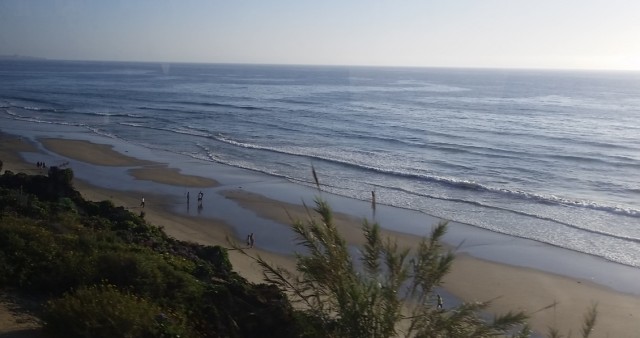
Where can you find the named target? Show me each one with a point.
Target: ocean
(552, 156)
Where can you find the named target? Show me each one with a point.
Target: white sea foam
(557, 164)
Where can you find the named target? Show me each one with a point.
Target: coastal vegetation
(391, 294)
(382, 290)
(98, 270)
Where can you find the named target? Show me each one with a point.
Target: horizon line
(19, 57)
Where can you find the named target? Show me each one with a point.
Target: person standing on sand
(200, 195)
(440, 302)
(251, 240)
(142, 202)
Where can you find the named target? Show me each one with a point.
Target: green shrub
(66, 204)
(28, 250)
(392, 291)
(60, 176)
(217, 256)
(147, 273)
(104, 311)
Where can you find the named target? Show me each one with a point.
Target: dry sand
(104, 155)
(10, 147)
(15, 320)
(85, 151)
(513, 288)
(510, 288)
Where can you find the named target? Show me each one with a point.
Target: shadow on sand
(24, 333)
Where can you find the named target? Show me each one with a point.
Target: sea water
(552, 156)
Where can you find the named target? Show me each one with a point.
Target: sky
(549, 34)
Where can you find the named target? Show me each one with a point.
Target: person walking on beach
(251, 240)
(440, 302)
(142, 202)
(200, 195)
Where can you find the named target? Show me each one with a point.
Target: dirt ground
(15, 320)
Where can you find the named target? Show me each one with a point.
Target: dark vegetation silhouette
(98, 270)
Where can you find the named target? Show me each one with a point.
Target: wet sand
(171, 176)
(85, 151)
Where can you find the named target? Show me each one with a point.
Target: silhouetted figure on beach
(187, 198)
(251, 240)
(440, 302)
(142, 202)
(248, 240)
(200, 195)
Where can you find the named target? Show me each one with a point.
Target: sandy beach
(472, 279)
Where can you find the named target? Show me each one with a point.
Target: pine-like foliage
(382, 290)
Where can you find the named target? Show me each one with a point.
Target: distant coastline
(20, 57)
(17, 57)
